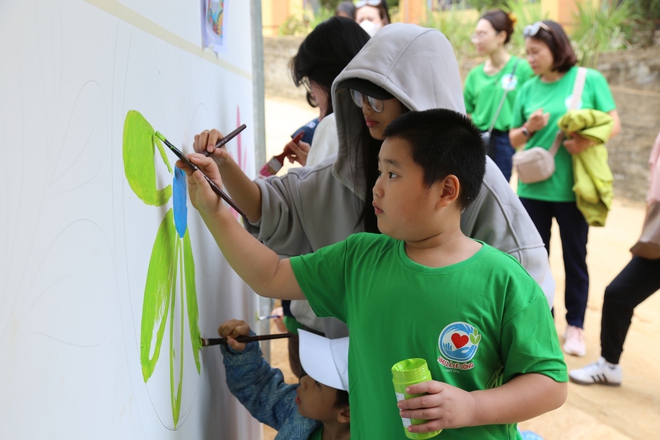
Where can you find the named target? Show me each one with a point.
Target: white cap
(325, 360)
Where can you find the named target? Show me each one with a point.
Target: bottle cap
(410, 370)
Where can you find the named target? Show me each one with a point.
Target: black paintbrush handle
(226, 139)
(216, 189)
(222, 194)
(244, 339)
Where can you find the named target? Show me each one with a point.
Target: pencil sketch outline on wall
(171, 263)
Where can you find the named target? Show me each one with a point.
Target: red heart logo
(459, 340)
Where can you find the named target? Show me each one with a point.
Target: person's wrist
(526, 131)
(224, 163)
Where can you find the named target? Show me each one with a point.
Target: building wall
(275, 12)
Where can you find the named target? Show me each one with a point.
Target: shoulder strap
(559, 138)
(578, 86)
(499, 107)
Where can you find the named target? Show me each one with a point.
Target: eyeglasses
(479, 36)
(377, 105)
(532, 29)
(361, 3)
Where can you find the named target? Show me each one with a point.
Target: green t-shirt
(483, 93)
(317, 434)
(398, 309)
(555, 98)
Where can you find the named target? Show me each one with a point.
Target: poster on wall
(214, 17)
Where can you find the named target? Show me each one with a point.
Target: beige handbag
(648, 245)
(537, 164)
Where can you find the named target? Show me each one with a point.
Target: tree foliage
(600, 28)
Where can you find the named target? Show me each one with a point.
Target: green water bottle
(405, 373)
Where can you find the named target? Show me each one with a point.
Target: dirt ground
(631, 411)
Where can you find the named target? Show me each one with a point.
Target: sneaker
(574, 341)
(601, 372)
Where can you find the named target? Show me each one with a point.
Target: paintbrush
(194, 167)
(226, 139)
(261, 318)
(277, 162)
(206, 342)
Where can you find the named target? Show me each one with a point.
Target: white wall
(76, 241)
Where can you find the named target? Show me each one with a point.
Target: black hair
(347, 8)
(342, 399)
(325, 52)
(501, 22)
(370, 149)
(444, 142)
(563, 55)
(367, 164)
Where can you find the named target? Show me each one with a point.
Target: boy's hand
(233, 329)
(201, 195)
(206, 141)
(444, 406)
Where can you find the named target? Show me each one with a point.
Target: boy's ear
(448, 190)
(344, 415)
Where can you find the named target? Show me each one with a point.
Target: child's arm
(522, 398)
(233, 329)
(243, 191)
(257, 265)
(259, 387)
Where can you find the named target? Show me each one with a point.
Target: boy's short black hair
(342, 399)
(444, 142)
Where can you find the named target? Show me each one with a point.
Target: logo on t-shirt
(458, 344)
(509, 82)
(567, 102)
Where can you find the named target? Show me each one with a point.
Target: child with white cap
(315, 408)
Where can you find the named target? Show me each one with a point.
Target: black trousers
(636, 282)
(574, 231)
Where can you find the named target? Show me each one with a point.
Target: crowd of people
(400, 236)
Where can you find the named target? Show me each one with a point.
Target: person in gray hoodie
(312, 207)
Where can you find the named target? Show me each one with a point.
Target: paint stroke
(139, 145)
(171, 264)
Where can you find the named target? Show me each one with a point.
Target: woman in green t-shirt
(539, 104)
(491, 87)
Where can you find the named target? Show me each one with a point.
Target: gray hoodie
(309, 208)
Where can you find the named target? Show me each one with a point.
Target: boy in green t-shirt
(421, 289)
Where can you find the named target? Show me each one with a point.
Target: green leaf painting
(139, 166)
(171, 266)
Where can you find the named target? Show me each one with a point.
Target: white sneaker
(574, 341)
(601, 372)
